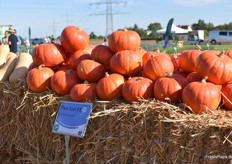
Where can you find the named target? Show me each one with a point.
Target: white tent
(175, 30)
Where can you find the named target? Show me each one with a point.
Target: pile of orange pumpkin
(122, 69)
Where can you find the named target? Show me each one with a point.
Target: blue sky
(48, 17)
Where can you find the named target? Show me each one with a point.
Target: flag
(168, 32)
(29, 31)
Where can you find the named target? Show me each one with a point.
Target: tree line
(150, 32)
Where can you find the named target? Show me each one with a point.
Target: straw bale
(147, 131)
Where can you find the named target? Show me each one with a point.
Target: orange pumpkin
(102, 54)
(39, 78)
(187, 60)
(124, 40)
(169, 88)
(110, 87)
(126, 62)
(90, 70)
(77, 57)
(83, 92)
(137, 87)
(227, 96)
(156, 65)
(217, 67)
(63, 81)
(48, 54)
(201, 96)
(74, 38)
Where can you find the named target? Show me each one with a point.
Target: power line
(109, 13)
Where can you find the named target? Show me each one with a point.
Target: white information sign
(72, 118)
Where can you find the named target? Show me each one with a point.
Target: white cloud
(197, 2)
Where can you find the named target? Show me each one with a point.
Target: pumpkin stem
(125, 29)
(204, 80)
(107, 74)
(69, 71)
(139, 79)
(169, 74)
(86, 82)
(41, 66)
(198, 47)
(157, 50)
(222, 53)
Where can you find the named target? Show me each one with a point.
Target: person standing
(27, 43)
(19, 41)
(13, 40)
(5, 38)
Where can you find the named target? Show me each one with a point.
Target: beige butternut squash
(21, 69)
(4, 51)
(7, 68)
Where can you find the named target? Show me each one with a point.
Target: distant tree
(201, 25)
(92, 35)
(154, 27)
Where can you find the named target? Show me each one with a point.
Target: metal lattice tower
(109, 14)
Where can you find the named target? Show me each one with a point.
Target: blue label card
(72, 118)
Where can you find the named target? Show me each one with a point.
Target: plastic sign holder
(72, 120)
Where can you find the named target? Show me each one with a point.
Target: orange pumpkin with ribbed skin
(110, 87)
(229, 53)
(39, 78)
(74, 38)
(169, 88)
(77, 57)
(90, 70)
(201, 96)
(156, 65)
(217, 67)
(124, 40)
(148, 54)
(83, 92)
(102, 54)
(63, 81)
(193, 76)
(187, 60)
(48, 54)
(227, 96)
(175, 60)
(126, 62)
(179, 71)
(137, 87)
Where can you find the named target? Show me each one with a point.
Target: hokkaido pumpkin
(193, 76)
(63, 81)
(4, 51)
(137, 87)
(216, 66)
(227, 96)
(74, 38)
(39, 78)
(169, 88)
(126, 62)
(110, 86)
(102, 54)
(229, 53)
(124, 40)
(77, 57)
(187, 60)
(89, 70)
(24, 60)
(83, 92)
(201, 96)
(7, 68)
(156, 65)
(48, 54)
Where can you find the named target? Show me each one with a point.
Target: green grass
(171, 48)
